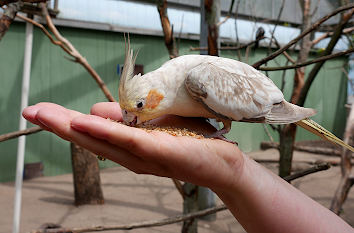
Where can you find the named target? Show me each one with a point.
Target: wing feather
(233, 89)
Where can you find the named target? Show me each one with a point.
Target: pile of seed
(170, 130)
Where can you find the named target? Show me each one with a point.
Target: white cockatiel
(211, 87)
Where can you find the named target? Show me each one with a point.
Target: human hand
(260, 200)
(207, 162)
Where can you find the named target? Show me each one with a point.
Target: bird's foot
(218, 135)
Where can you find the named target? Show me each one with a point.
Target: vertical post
(206, 198)
(22, 126)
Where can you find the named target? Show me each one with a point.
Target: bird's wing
(233, 90)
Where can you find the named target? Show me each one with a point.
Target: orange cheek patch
(153, 99)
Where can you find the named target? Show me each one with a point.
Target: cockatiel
(212, 87)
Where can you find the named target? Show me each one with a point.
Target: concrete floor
(133, 198)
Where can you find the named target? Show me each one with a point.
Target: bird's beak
(129, 118)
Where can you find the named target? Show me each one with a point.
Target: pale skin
(259, 200)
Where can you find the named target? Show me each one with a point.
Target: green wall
(55, 78)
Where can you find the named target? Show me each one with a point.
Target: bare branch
(316, 168)
(275, 26)
(179, 187)
(228, 14)
(70, 49)
(6, 2)
(8, 17)
(328, 34)
(167, 29)
(320, 59)
(229, 47)
(309, 149)
(153, 223)
(314, 71)
(346, 181)
(19, 133)
(307, 31)
(45, 31)
(286, 54)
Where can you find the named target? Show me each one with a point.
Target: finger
(58, 119)
(30, 113)
(132, 139)
(109, 110)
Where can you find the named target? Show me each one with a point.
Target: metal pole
(22, 125)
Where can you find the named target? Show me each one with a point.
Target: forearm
(263, 202)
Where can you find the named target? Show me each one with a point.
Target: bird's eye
(139, 104)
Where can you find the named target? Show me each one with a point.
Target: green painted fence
(54, 78)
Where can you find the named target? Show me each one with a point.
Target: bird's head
(140, 100)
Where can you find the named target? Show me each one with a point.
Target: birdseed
(174, 131)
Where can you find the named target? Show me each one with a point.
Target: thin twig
(345, 18)
(304, 33)
(45, 31)
(328, 34)
(320, 59)
(176, 219)
(285, 53)
(229, 47)
(19, 133)
(282, 86)
(316, 168)
(275, 26)
(145, 224)
(71, 50)
(228, 14)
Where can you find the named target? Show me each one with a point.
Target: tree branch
(167, 29)
(305, 172)
(275, 26)
(228, 14)
(229, 47)
(328, 34)
(70, 49)
(313, 73)
(6, 2)
(8, 16)
(320, 59)
(307, 31)
(16, 134)
(176, 219)
(145, 224)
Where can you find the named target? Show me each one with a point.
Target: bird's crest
(128, 71)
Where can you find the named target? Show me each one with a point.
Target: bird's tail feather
(318, 130)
